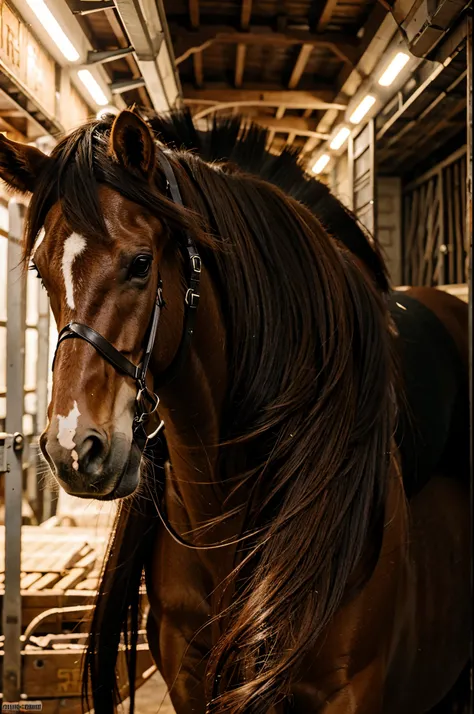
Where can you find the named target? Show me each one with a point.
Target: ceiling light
(54, 30)
(340, 138)
(321, 164)
(366, 104)
(92, 86)
(394, 69)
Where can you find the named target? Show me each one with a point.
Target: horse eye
(140, 266)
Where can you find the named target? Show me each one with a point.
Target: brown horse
(285, 568)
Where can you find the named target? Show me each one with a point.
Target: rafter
(188, 42)
(240, 64)
(290, 125)
(245, 14)
(300, 64)
(319, 98)
(194, 13)
(198, 70)
(298, 70)
(326, 14)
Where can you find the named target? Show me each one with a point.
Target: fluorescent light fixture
(52, 27)
(321, 163)
(92, 86)
(339, 139)
(394, 69)
(358, 114)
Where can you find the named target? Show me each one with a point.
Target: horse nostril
(92, 453)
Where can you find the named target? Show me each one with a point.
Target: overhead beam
(245, 14)
(239, 64)
(292, 99)
(188, 42)
(198, 69)
(326, 15)
(290, 125)
(194, 13)
(300, 65)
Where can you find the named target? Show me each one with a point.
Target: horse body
(285, 568)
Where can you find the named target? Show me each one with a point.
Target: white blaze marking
(73, 247)
(67, 426)
(38, 242)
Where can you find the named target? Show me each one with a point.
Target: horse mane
(238, 141)
(308, 417)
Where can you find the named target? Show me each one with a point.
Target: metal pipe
(16, 319)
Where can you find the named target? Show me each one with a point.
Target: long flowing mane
(238, 141)
(308, 416)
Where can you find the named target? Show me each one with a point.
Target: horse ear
(21, 165)
(131, 143)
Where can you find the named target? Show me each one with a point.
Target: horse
(286, 435)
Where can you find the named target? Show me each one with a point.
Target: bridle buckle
(196, 263)
(192, 298)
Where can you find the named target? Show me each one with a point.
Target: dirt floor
(150, 697)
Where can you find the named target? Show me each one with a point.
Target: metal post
(16, 317)
(469, 176)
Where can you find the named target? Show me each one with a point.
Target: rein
(147, 401)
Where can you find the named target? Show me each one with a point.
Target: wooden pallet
(60, 567)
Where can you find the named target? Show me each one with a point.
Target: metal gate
(435, 244)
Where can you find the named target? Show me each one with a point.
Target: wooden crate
(60, 570)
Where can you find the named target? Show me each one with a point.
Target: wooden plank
(326, 14)
(69, 581)
(46, 581)
(292, 125)
(28, 579)
(57, 673)
(300, 64)
(194, 13)
(240, 64)
(292, 99)
(198, 69)
(245, 14)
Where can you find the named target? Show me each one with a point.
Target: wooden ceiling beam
(239, 64)
(198, 69)
(319, 98)
(326, 14)
(245, 14)
(298, 70)
(194, 13)
(300, 65)
(188, 42)
(289, 125)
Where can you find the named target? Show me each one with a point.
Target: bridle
(147, 401)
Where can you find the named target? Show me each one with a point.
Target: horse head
(100, 256)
